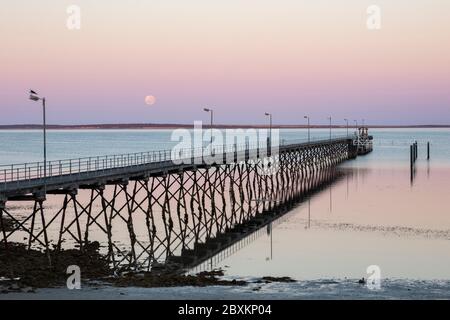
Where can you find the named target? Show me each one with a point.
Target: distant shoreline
(143, 126)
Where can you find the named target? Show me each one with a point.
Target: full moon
(150, 100)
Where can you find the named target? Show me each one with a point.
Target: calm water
(26, 146)
(373, 216)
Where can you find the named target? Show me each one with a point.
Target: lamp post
(211, 111)
(270, 126)
(34, 96)
(309, 135)
(346, 120)
(329, 118)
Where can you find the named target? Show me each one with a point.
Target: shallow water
(322, 289)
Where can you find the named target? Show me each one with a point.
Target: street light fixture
(270, 125)
(211, 111)
(309, 135)
(35, 97)
(346, 120)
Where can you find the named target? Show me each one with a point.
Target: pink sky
(242, 58)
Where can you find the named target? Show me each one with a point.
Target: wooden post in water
(428, 150)
(416, 151)
(411, 159)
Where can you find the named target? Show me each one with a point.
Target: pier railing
(35, 170)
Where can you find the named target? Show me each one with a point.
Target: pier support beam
(2, 223)
(352, 150)
(2, 202)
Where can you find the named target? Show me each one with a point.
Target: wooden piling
(428, 150)
(411, 157)
(416, 151)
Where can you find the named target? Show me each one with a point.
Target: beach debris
(201, 279)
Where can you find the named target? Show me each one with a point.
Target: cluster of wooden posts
(413, 154)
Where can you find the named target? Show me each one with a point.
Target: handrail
(55, 168)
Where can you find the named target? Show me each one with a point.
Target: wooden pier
(173, 210)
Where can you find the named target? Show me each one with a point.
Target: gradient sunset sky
(240, 57)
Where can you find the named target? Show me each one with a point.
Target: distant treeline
(174, 126)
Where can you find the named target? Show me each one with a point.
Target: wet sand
(320, 289)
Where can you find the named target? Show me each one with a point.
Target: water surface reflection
(372, 216)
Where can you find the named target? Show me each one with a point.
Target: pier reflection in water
(377, 218)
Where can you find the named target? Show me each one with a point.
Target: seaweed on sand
(31, 268)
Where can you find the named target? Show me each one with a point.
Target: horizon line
(218, 126)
